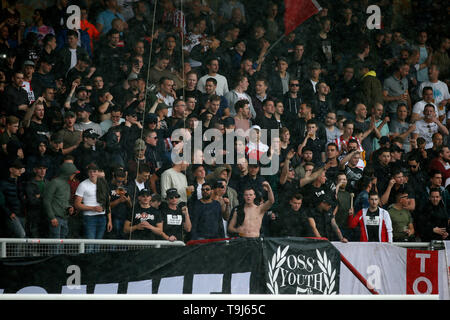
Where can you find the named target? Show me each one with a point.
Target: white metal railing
(30, 247)
(13, 247)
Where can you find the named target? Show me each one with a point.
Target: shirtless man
(253, 213)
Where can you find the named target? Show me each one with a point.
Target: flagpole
(274, 44)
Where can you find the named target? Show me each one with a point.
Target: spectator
(34, 191)
(175, 178)
(402, 223)
(106, 17)
(67, 56)
(12, 190)
(120, 202)
(247, 219)
(440, 89)
(432, 222)
(213, 68)
(395, 90)
(322, 220)
(57, 201)
(176, 219)
(92, 198)
(291, 220)
(146, 222)
(428, 126)
(419, 106)
(374, 222)
(207, 217)
(16, 97)
(279, 81)
(239, 93)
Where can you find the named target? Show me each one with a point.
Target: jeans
(16, 227)
(59, 232)
(118, 228)
(94, 228)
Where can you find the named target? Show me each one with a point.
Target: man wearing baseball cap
(84, 121)
(57, 201)
(88, 152)
(146, 222)
(34, 190)
(71, 137)
(322, 220)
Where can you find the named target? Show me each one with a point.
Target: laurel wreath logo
(329, 274)
(323, 262)
(274, 268)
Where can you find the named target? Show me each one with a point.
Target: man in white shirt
(427, 98)
(440, 89)
(96, 211)
(428, 126)
(213, 69)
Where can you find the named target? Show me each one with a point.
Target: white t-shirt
(88, 191)
(222, 84)
(426, 131)
(419, 106)
(440, 90)
(73, 58)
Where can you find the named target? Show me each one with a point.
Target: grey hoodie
(57, 194)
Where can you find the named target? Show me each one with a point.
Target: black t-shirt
(323, 222)
(373, 225)
(121, 211)
(290, 223)
(173, 221)
(152, 216)
(312, 193)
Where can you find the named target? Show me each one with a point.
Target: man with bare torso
(246, 220)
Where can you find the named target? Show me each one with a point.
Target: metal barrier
(12, 247)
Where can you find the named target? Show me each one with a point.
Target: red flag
(298, 11)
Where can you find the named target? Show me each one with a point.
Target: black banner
(240, 266)
(300, 266)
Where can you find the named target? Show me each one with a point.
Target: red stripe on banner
(298, 11)
(422, 272)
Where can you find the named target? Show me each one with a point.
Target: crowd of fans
(91, 119)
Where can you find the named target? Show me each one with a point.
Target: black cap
(130, 111)
(151, 118)
(41, 164)
(172, 192)
(17, 163)
(145, 192)
(327, 199)
(396, 148)
(90, 133)
(92, 166)
(384, 140)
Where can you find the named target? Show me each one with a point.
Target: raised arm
(271, 199)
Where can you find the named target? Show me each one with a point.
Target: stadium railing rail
(31, 247)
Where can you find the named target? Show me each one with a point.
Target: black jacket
(14, 197)
(290, 223)
(431, 217)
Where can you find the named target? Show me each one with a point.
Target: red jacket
(385, 230)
